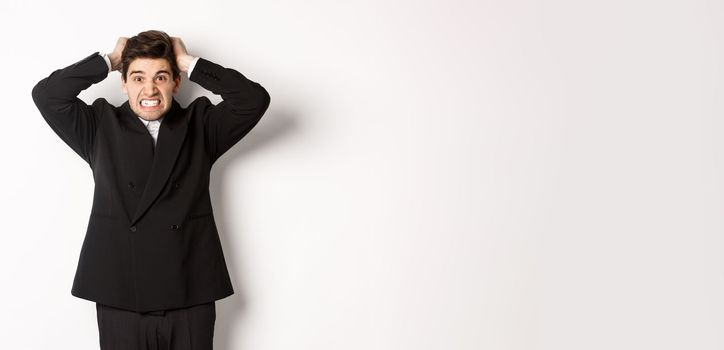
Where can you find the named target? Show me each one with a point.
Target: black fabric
(151, 242)
(190, 328)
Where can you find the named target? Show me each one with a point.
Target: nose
(150, 88)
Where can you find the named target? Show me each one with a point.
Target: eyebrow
(142, 72)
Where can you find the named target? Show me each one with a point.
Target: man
(151, 258)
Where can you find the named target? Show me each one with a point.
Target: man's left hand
(183, 59)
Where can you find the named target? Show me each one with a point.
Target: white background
(430, 174)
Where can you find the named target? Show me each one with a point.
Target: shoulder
(101, 101)
(101, 105)
(101, 108)
(197, 109)
(201, 103)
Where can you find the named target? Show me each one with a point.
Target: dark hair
(149, 44)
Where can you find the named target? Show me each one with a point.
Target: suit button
(131, 186)
(133, 228)
(175, 227)
(175, 185)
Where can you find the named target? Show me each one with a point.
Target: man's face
(150, 87)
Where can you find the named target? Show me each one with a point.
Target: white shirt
(152, 125)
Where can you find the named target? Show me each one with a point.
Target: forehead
(149, 65)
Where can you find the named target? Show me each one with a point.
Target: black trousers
(189, 328)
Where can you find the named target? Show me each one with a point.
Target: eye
(162, 77)
(137, 78)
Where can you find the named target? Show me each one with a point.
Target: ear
(177, 81)
(123, 86)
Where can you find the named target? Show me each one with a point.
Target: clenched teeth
(149, 103)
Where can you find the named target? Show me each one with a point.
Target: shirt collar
(147, 122)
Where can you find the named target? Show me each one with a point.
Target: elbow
(39, 93)
(265, 101)
(36, 93)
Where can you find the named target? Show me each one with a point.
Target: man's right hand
(115, 56)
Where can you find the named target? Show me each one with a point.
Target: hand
(183, 59)
(115, 56)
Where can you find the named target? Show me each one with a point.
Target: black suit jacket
(151, 241)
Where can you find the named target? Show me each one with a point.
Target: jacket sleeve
(244, 103)
(70, 118)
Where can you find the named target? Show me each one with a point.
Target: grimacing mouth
(149, 102)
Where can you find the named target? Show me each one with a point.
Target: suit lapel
(170, 138)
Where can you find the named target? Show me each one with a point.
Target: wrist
(184, 62)
(115, 61)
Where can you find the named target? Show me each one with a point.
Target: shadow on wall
(231, 314)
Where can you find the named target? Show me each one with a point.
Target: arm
(70, 118)
(244, 101)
